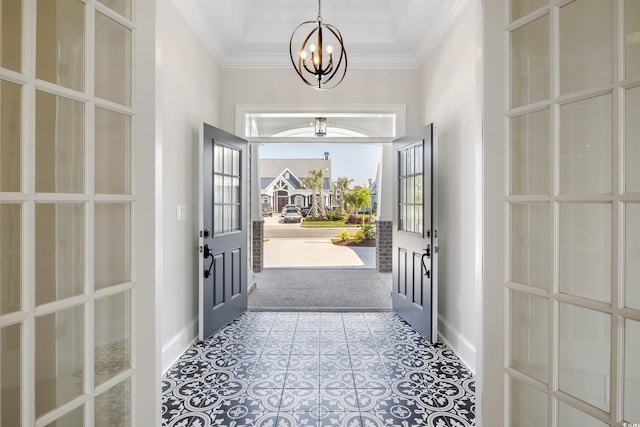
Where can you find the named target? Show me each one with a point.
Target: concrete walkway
(311, 273)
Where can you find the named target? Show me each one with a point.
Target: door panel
(414, 266)
(223, 231)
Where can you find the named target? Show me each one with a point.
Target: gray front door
(414, 283)
(223, 248)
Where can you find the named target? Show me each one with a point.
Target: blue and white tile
(318, 369)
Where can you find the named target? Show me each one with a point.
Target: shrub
(335, 216)
(344, 235)
(369, 231)
(360, 219)
(358, 236)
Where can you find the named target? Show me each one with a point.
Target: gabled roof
(286, 176)
(272, 168)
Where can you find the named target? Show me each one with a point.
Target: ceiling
(377, 33)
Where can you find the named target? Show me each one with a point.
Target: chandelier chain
(319, 11)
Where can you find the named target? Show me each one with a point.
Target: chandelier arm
(328, 69)
(312, 72)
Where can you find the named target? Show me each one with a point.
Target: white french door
(66, 213)
(570, 212)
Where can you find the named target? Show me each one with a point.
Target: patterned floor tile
(318, 369)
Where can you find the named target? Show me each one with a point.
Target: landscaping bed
(367, 243)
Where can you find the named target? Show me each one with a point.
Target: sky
(354, 161)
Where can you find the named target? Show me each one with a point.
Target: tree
(314, 182)
(360, 197)
(342, 186)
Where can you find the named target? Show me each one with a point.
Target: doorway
(308, 264)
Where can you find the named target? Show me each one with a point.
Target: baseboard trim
(178, 344)
(458, 343)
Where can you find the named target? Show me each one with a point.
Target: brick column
(257, 242)
(384, 247)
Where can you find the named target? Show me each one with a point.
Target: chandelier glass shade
(321, 58)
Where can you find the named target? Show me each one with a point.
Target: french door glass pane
(586, 53)
(570, 416)
(60, 43)
(59, 144)
(520, 8)
(113, 60)
(585, 250)
(530, 147)
(123, 7)
(632, 138)
(584, 354)
(10, 141)
(11, 35)
(112, 244)
(74, 418)
(59, 357)
(632, 256)
(112, 152)
(419, 157)
(113, 407)
(218, 156)
(585, 146)
(529, 335)
(530, 62)
(59, 228)
(632, 38)
(10, 257)
(112, 337)
(527, 404)
(631, 370)
(10, 369)
(530, 244)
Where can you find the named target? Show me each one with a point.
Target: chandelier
(318, 63)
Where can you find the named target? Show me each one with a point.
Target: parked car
(292, 215)
(267, 209)
(305, 211)
(285, 207)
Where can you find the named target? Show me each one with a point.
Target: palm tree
(342, 185)
(307, 182)
(314, 181)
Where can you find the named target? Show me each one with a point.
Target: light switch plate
(181, 213)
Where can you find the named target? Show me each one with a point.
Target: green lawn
(326, 224)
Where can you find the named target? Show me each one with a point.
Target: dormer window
(286, 175)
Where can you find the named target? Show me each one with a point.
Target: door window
(410, 191)
(226, 192)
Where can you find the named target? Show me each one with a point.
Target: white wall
(283, 86)
(448, 90)
(189, 94)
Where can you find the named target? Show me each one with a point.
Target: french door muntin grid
(411, 189)
(226, 195)
(84, 303)
(558, 401)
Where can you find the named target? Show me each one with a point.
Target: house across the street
(281, 181)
